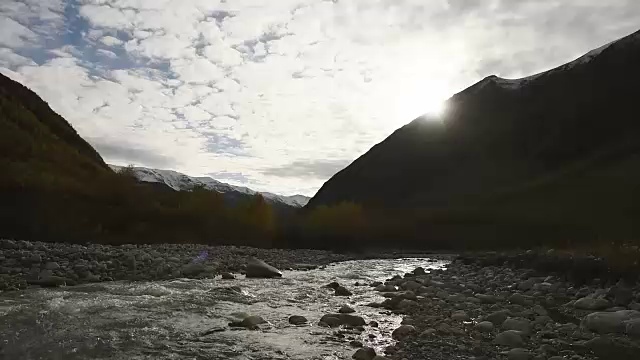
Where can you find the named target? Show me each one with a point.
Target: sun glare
(428, 105)
(435, 109)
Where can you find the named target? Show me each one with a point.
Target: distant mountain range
(181, 182)
(558, 147)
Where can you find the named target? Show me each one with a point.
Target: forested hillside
(55, 187)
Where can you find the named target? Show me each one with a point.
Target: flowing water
(188, 319)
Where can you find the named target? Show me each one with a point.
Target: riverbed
(188, 318)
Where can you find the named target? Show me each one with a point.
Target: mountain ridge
(182, 182)
(501, 135)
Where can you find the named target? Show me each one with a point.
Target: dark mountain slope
(37, 146)
(505, 145)
(55, 187)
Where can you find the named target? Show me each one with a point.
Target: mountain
(180, 182)
(55, 187)
(558, 147)
(38, 145)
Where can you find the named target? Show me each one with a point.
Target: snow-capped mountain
(500, 135)
(180, 182)
(516, 84)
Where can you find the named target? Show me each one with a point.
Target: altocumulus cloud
(315, 169)
(239, 88)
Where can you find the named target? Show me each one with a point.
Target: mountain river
(188, 319)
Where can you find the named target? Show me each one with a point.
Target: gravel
(24, 264)
(476, 309)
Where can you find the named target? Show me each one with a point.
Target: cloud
(15, 34)
(111, 41)
(233, 177)
(316, 169)
(242, 87)
(130, 155)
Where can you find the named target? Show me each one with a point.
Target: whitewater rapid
(188, 319)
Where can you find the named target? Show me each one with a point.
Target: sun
(423, 103)
(435, 109)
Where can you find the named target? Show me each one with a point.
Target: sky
(278, 95)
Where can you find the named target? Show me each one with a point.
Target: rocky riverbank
(484, 308)
(24, 263)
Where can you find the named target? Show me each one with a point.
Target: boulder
(259, 269)
(346, 309)
(334, 320)
(498, 317)
(366, 353)
(227, 276)
(332, 285)
(485, 326)
(297, 320)
(526, 285)
(342, 291)
(521, 325)
(591, 303)
(249, 322)
(519, 354)
(403, 331)
(518, 299)
(193, 269)
(52, 265)
(459, 315)
(486, 299)
(419, 271)
(609, 322)
(411, 285)
(510, 338)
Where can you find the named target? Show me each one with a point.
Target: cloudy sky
(278, 95)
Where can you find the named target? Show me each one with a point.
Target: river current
(188, 319)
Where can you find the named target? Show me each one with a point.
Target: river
(188, 319)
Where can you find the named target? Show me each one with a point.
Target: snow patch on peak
(515, 84)
(181, 182)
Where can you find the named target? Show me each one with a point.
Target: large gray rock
(460, 315)
(498, 317)
(510, 338)
(249, 322)
(52, 265)
(342, 291)
(485, 326)
(519, 354)
(297, 320)
(487, 299)
(346, 309)
(403, 331)
(259, 269)
(522, 325)
(609, 322)
(591, 303)
(193, 269)
(411, 285)
(366, 353)
(334, 320)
